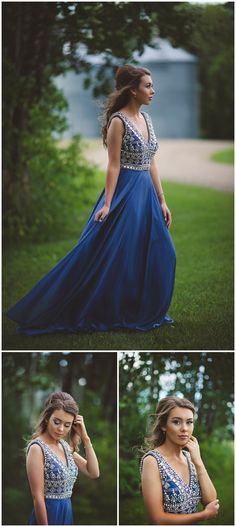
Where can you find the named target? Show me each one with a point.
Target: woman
(121, 272)
(52, 463)
(175, 481)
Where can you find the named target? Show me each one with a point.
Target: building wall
(174, 109)
(83, 110)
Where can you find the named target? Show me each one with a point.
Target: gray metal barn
(175, 107)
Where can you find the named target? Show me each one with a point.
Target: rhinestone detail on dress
(59, 478)
(179, 497)
(136, 152)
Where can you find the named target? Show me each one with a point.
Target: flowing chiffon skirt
(120, 274)
(59, 512)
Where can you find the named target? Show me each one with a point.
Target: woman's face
(179, 426)
(59, 424)
(144, 93)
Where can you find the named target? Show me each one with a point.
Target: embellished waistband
(58, 496)
(136, 167)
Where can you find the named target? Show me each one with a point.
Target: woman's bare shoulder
(34, 449)
(116, 122)
(149, 461)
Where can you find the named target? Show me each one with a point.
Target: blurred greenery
(57, 181)
(206, 379)
(224, 156)
(202, 305)
(27, 380)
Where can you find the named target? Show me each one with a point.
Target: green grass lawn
(202, 304)
(224, 156)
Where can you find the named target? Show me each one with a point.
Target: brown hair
(127, 77)
(164, 407)
(58, 401)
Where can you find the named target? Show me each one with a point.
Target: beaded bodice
(58, 477)
(179, 497)
(136, 151)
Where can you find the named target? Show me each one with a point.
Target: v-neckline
(146, 141)
(55, 454)
(177, 474)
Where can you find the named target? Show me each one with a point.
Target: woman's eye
(178, 422)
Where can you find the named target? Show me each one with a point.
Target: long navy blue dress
(121, 272)
(59, 479)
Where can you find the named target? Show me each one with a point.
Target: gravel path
(182, 160)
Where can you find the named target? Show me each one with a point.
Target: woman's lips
(183, 437)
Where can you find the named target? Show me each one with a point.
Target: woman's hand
(194, 451)
(167, 214)
(80, 428)
(212, 509)
(102, 213)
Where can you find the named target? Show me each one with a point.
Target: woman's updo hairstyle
(164, 407)
(58, 401)
(127, 78)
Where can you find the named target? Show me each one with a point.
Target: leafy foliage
(53, 178)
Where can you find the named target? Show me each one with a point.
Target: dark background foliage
(91, 379)
(206, 379)
(43, 185)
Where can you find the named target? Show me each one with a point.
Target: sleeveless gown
(58, 484)
(121, 272)
(179, 497)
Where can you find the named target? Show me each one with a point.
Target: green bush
(48, 191)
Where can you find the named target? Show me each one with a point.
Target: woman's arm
(208, 490)
(35, 472)
(153, 499)
(114, 140)
(88, 466)
(159, 190)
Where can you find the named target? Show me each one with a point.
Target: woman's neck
(49, 440)
(170, 449)
(133, 109)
